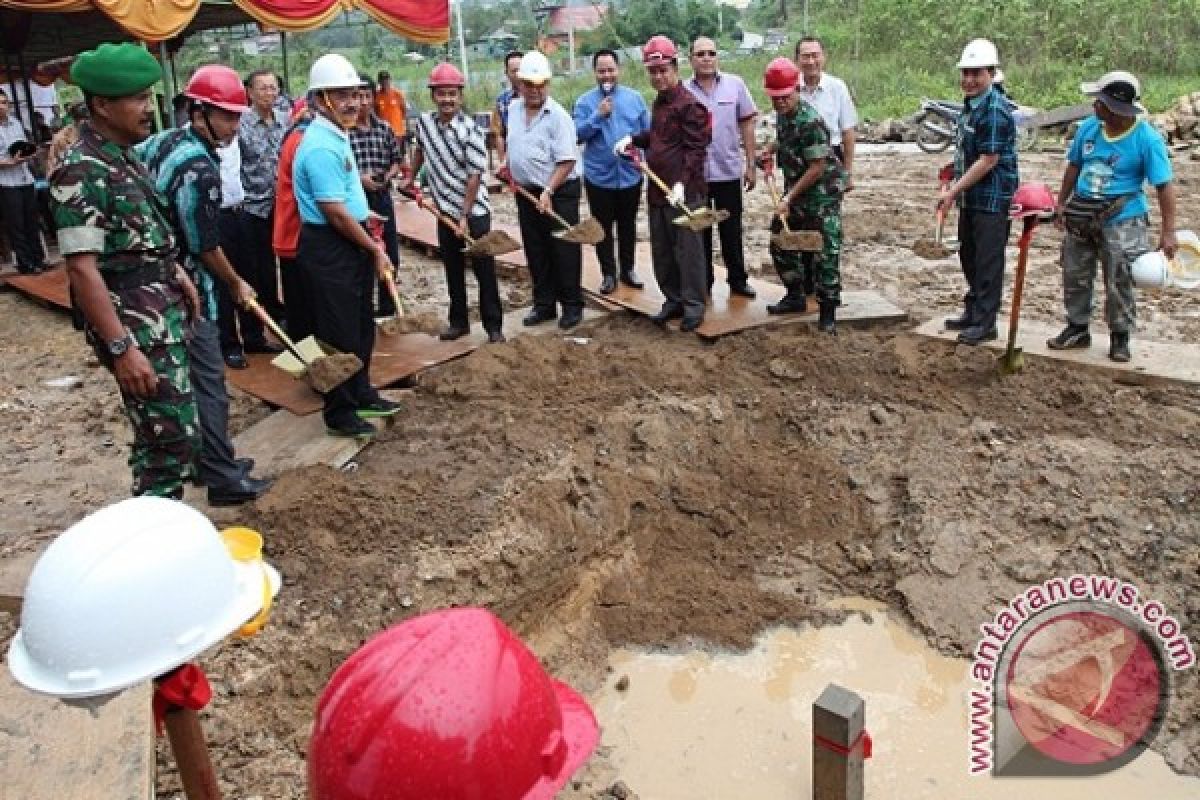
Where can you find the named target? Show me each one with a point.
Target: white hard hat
(129, 593)
(1150, 270)
(333, 71)
(979, 53)
(534, 67)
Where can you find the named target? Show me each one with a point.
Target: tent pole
(31, 130)
(168, 79)
(462, 46)
(287, 78)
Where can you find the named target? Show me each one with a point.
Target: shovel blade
(493, 243)
(1012, 361)
(702, 218)
(328, 372)
(805, 241)
(586, 232)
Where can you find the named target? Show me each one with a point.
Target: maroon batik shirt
(677, 144)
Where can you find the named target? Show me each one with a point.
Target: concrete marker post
(840, 744)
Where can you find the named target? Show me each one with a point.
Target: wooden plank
(1152, 361)
(52, 750)
(513, 327)
(284, 441)
(728, 313)
(419, 228)
(49, 287)
(1059, 116)
(14, 574)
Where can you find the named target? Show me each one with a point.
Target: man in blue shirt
(985, 169)
(613, 184)
(1102, 205)
(512, 62)
(338, 259)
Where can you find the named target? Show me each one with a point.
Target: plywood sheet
(49, 287)
(1179, 363)
(14, 574)
(418, 228)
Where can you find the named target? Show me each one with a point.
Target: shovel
(788, 239)
(1014, 359)
(324, 372)
(586, 232)
(697, 220)
(492, 243)
(937, 248)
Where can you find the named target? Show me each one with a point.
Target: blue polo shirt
(602, 167)
(325, 171)
(1112, 167)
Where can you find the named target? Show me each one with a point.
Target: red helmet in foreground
(446, 75)
(1032, 199)
(218, 86)
(449, 705)
(659, 50)
(781, 77)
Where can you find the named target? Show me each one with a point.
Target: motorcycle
(937, 125)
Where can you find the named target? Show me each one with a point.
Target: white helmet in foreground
(333, 71)
(979, 53)
(129, 593)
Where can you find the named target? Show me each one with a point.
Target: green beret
(115, 70)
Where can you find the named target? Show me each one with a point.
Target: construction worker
(613, 185)
(729, 168)
(512, 62)
(116, 237)
(676, 147)
(428, 686)
(377, 154)
(985, 178)
(453, 151)
(1102, 206)
(186, 169)
(814, 182)
(543, 158)
(339, 261)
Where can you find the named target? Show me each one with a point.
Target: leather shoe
(690, 324)
(608, 284)
(570, 319)
(957, 323)
(496, 337)
(236, 360)
(630, 278)
(452, 332)
(264, 347)
(537, 316)
(666, 314)
(743, 289)
(977, 334)
(244, 464)
(243, 491)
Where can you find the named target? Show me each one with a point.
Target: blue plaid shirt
(986, 127)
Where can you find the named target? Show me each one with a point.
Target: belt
(156, 272)
(236, 208)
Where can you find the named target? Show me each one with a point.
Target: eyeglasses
(705, 53)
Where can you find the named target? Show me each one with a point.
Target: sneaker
(353, 428)
(496, 337)
(377, 409)
(977, 334)
(1118, 346)
(1072, 337)
(957, 323)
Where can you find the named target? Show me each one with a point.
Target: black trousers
(19, 213)
(619, 206)
(455, 261)
(235, 324)
(727, 196)
(215, 464)
(678, 261)
(338, 280)
(555, 266)
(299, 306)
(261, 270)
(381, 203)
(982, 237)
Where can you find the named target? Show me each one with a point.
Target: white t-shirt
(10, 132)
(232, 193)
(832, 100)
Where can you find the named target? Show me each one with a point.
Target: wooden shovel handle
(275, 329)
(528, 195)
(649, 173)
(390, 280)
(775, 197)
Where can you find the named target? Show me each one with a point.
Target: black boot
(792, 303)
(827, 322)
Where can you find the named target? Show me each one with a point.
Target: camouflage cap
(115, 70)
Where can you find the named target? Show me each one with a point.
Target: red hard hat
(218, 86)
(448, 705)
(1031, 199)
(446, 75)
(781, 77)
(659, 50)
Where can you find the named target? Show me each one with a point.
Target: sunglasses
(704, 53)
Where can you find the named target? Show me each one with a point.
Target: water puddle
(699, 726)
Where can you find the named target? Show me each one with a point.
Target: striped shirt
(453, 152)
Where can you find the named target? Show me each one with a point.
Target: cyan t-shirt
(325, 171)
(1120, 166)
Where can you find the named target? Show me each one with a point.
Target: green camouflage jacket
(803, 138)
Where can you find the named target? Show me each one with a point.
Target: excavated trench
(638, 494)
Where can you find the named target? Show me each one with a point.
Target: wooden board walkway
(48, 288)
(1152, 361)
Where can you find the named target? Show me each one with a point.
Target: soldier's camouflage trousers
(813, 272)
(166, 433)
(1115, 249)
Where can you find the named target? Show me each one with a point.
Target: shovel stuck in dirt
(493, 243)
(698, 220)
(937, 247)
(324, 370)
(586, 232)
(788, 239)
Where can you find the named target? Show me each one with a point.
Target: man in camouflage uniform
(814, 182)
(136, 302)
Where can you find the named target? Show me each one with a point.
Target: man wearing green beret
(136, 302)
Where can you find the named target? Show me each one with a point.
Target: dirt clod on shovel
(928, 248)
(493, 243)
(804, 241)
(426, 322)
(328, 372)
(586, 232)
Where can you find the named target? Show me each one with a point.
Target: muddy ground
(655, 490)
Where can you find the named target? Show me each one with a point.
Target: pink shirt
(729, 104)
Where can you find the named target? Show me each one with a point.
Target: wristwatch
(119, 347)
